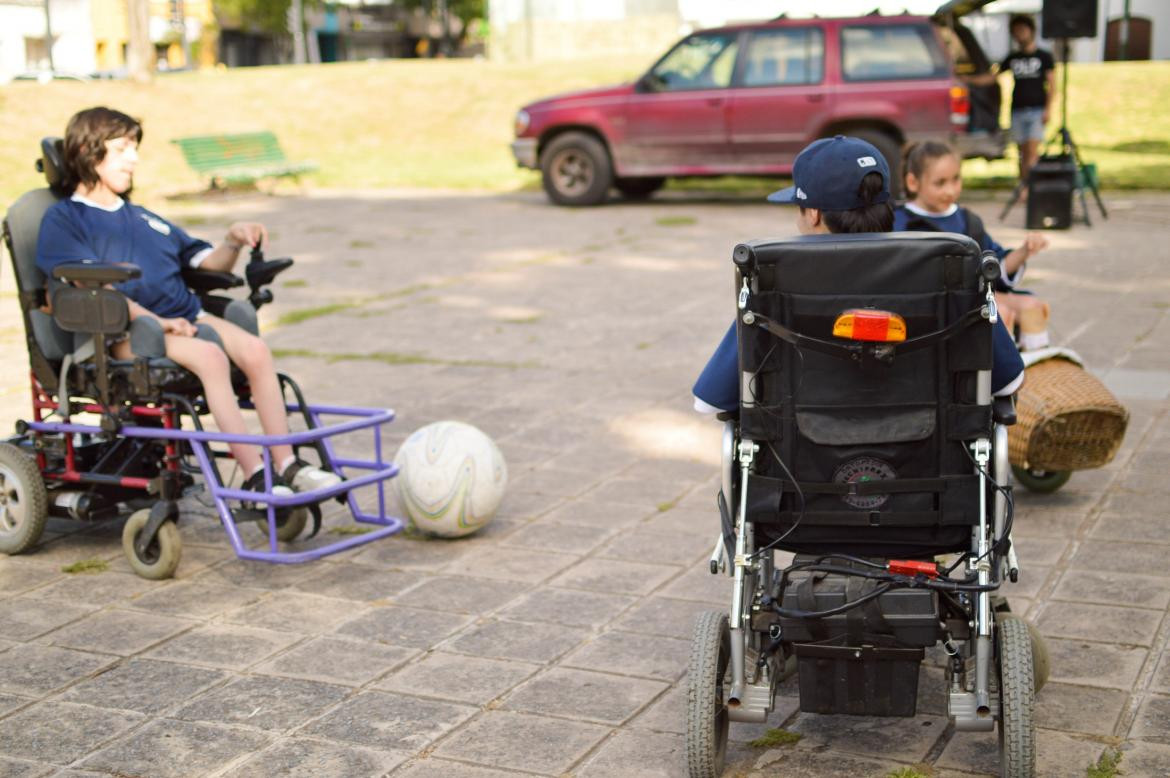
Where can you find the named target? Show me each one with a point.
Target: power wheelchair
(139, 452)
(868, 450)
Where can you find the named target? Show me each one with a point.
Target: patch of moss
(87, 567)
(1107, 766)
(349, 529)
(675, 221)
(358, 243)
(775, 737)
(916, 771)
(296, 283)
(304, 314)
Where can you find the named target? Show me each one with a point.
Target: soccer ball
(451, 478)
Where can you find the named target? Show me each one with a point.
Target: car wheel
(638, 188)
(891, 150)
(576, 169)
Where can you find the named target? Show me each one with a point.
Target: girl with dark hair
(933, 184)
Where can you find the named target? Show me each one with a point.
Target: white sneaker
(305, 477)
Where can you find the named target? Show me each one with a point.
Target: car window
(699, 62)
(885, 51)
(785, 56)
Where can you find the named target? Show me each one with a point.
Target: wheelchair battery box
(909, 616)
(858, 680)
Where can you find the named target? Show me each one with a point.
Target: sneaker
(255, 483)
(306, 478)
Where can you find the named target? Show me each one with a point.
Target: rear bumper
(524, 150)
(989, 145)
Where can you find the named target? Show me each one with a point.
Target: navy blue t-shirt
(75, 230)
(718, 384)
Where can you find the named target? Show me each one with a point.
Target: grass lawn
(448, 123)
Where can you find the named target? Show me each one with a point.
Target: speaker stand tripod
(1086, 178)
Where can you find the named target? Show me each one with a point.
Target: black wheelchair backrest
(837, 416)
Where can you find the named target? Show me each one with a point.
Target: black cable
(799, 493)
(799, 614)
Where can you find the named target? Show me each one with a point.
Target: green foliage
(775, 737)
(463, 9)
(910, 772)
(87, 566)
(1107, 766)
(269, 16)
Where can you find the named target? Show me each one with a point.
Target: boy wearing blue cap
(842, 185)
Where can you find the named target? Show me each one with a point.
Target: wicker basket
(1066, 419)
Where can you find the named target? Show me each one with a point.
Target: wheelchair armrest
(91, 310)
(728, 415)
(1003, 410)
(200, 281)
(92, 273)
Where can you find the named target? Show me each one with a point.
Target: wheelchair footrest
(858, 680)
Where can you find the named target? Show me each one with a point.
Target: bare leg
(1029, 153)
(251, 355)
(208, 362)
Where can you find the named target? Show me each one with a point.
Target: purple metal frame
(380, 471)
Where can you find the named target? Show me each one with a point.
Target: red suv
(746, 99)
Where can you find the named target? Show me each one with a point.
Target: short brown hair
(85, 142)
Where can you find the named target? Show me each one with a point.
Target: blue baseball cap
(828, 173)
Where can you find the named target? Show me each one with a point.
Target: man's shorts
(1027, 124)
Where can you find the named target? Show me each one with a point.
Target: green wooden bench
(243, 158)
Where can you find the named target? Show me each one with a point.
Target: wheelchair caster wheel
(1041, 481)
(161, 558)
(707, 716)
(287, 528)
(23, 501)
(1017, 728)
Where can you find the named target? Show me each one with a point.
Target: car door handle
(714, 102)
(814, 98)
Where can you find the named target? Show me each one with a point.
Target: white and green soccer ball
(451, 478)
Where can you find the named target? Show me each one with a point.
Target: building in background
(25, 48)
(183, 33)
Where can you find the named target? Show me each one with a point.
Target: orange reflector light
(868, 324)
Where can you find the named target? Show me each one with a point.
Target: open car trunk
(970, 60)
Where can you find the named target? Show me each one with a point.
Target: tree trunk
(140, 51)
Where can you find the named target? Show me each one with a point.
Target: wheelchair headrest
(52, 163)
(897, 261)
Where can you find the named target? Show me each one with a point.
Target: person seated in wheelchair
(841, 185)
(99, 223)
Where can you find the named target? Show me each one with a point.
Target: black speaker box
(1051, 183)
(1069, 19)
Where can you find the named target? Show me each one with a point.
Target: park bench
(242, 158)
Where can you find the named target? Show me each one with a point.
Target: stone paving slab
(555, 641)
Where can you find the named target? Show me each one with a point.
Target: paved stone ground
(555, 641)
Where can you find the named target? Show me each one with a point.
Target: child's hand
(1034, 243)
(180, 327)
(249, 234)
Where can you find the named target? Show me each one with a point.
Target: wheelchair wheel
(1041, 481)
(1017, 729)
(23, 501)
(287, 528)
(162, 555)
(707, 716)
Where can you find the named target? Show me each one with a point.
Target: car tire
(576, 169)
(891, 150)
(638, 188)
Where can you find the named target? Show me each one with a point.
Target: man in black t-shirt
(1035, 84)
